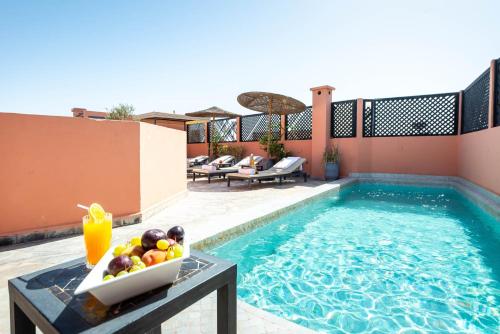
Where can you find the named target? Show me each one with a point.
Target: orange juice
(97, 236)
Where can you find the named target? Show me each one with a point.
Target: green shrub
(120, 112)
(237, 151)
(331, 154)
(277, 150)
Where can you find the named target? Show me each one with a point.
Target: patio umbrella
(212, 112)
(270, 103)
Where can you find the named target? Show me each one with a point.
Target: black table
(45, 299)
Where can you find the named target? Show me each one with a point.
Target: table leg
(226, 309)
(19, 322)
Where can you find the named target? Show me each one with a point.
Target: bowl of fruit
(142, 264)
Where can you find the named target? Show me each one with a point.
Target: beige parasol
(212, 112)
(270, 103)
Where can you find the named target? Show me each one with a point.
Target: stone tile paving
(205, 211)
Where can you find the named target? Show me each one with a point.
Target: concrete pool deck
(210, 213)
(205, 211)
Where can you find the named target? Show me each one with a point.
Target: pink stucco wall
(49, 164)
(479, 158)
(162, 163)
(406, 155)
(197, 149)
(321, 103)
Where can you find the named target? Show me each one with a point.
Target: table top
(51, 293)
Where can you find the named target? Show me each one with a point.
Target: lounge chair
(286, 167)
(221, 172)
(197, 161)
(223, 161)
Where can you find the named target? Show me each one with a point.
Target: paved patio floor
(205, 210)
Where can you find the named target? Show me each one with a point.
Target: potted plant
(237, 151)
(277, 150)
(215, 146)
(331, 158)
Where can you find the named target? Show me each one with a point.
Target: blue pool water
(376, 259)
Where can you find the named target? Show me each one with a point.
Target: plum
(176, 233)
(119, 263)
(151, 237)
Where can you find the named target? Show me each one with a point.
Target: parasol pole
(270, 110)
(211, 136)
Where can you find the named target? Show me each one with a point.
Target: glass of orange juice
(97, 236)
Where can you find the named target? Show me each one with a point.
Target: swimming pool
(376, 259)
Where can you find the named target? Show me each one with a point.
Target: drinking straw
(83, 207)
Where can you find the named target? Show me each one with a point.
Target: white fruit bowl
(120, 288)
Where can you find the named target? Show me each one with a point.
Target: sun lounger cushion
(222, 160)
(198, 158)
(246, 161)
(286, 162)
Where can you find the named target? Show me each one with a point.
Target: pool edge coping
(253, 223)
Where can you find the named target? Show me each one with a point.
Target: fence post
(283, 127)
(460, 111)
(321, 116)
(359, 117)
(238, 129)
(491, 106)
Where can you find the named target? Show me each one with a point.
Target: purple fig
(151, 237)
(176, 233)
(119, 263)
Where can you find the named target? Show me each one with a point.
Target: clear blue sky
(190, 55)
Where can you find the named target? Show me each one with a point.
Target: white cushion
(244, 162)
(224, 159)
(286, 162)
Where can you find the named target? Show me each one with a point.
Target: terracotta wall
(479, 158)
(406, 155)
(162, 163)
(433, 155)
(49, 164)
(196, 149)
